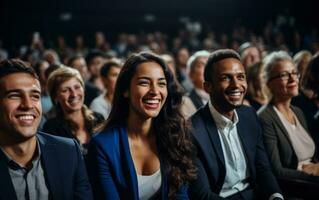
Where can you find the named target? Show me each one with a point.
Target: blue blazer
(63, 166)
(111, 168)
(210, 158)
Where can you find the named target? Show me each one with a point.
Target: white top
(235, 161)
(101, 105)
(301, 142)
(149, 185)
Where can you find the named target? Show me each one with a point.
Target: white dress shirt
(235, 161)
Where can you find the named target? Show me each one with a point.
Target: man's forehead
(229, 65)
(22, 81)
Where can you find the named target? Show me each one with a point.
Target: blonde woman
(73, 119)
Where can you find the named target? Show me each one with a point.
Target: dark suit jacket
(197, 101)
(60, 127)
(111, 168)
(210, 159)
(63, 167)
(278, 145)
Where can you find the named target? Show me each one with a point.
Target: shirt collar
(11, 163)
(221, 120)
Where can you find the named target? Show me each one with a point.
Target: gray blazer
(283, 158)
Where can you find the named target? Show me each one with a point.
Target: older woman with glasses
(290, 147)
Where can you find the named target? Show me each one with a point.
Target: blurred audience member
(195, 70)
(169, 60)
(51, 113)
(51, 56)
(313, 84)
(307, 100)
(3, 53)
(301, 60)
(95, 60)
(62, 48)
(181, 58)
(120, 46)
(80, 48)
(91, 91)
(257, 93)
(100, 42)
(40, 68)
(249, 54)
(109, 73)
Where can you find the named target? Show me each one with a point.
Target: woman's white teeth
(74, 101)
(151, 101)
(26, 117)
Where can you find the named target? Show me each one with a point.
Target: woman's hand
(311, 168)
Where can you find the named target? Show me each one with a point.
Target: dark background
(51, 18)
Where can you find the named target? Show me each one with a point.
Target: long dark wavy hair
(172, 132)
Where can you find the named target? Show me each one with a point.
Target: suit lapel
(6, 186)
(278, 122)
(213, 133)
(133, 185)
(51, 167)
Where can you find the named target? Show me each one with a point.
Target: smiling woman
(146, 131)
(291, 148)
(73, 119)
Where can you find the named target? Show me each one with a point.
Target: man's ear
(126, 94)
(207, 87)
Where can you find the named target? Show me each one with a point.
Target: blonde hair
(300, 55)
(58, 77)
(55, 79)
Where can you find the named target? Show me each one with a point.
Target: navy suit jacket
(63, 166)
(111, 168)
(210, 158)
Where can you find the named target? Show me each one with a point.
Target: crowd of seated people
(131, 107)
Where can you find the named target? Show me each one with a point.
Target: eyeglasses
(286, 75)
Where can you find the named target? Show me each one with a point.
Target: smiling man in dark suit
(231, 159)
(34, 165)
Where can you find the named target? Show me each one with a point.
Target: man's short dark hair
(51, 69)
(74, 58)
(12, 66)
(107, 66)
(215, 57)
(93, 54)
